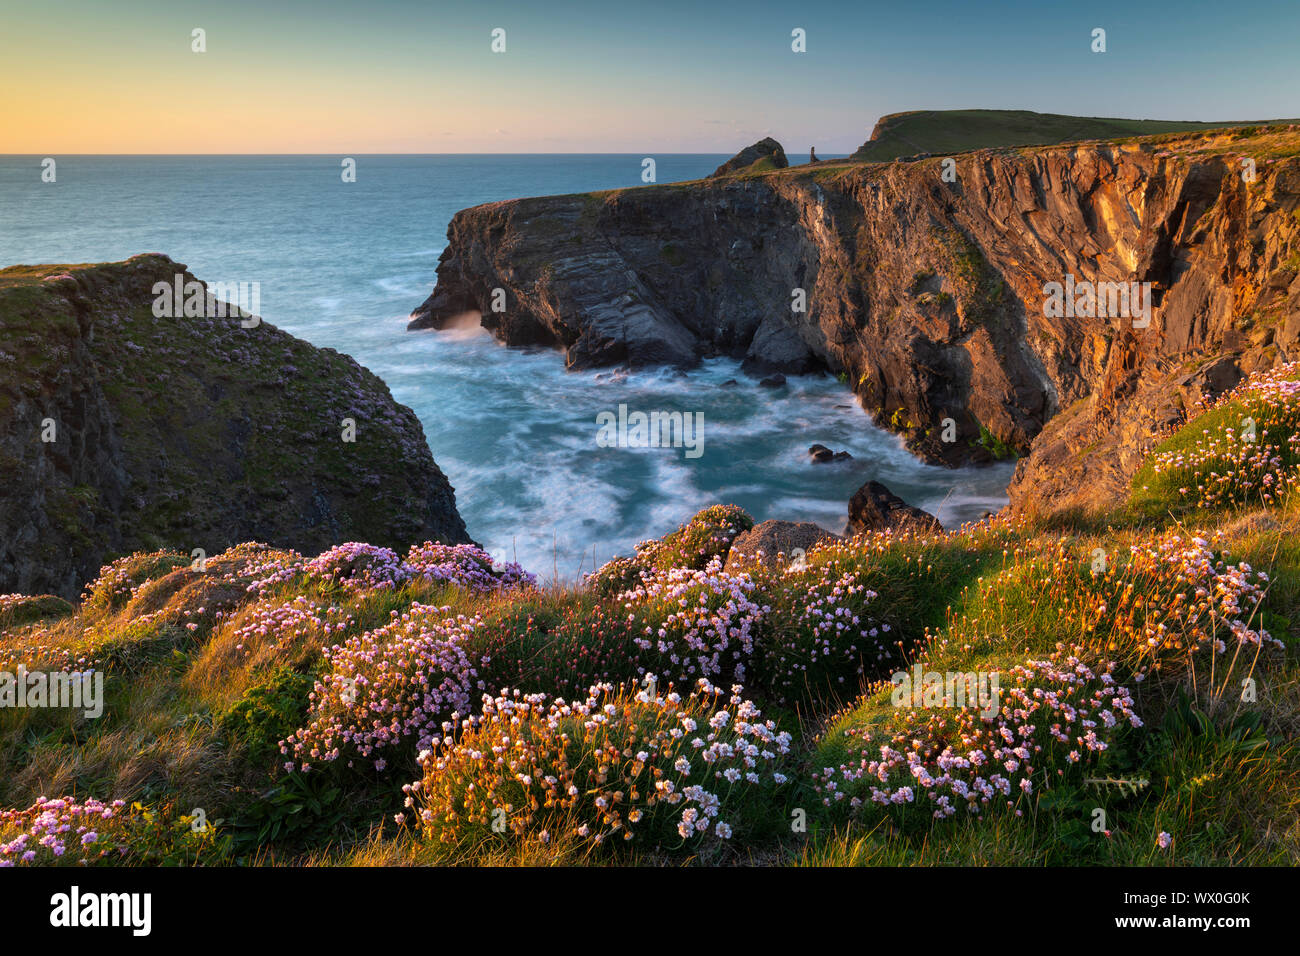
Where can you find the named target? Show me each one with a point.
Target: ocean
(343, 264)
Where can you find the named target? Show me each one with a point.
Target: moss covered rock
(124, 431)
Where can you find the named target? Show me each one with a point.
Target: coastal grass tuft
(1173, 637)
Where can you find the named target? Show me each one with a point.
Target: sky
(709, 76)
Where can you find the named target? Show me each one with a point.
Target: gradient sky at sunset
(322, 76)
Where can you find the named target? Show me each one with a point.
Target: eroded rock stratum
(926, 295)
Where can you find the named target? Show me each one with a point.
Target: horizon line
(346, 153)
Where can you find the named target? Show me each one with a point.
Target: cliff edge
(121, 431)
(923, 285)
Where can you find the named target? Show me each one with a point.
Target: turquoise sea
(342, 265)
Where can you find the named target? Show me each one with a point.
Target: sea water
(342, 264)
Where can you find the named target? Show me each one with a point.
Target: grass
(958, 131)
(1243, 451)
(1202, 766)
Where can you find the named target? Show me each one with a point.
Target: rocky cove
(348, 704)
(919, 284)
(924, 292)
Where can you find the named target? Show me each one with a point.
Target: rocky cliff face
(766, 152)
(925, 291)
(121, 431)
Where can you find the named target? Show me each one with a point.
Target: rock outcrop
(765, 149)
(821, 455)
(925, 292)
(874, 507)
(121, 431)
(775, 542)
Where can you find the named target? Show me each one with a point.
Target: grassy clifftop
(1132, 694)
(958, 131)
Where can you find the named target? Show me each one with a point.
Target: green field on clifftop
(956, 131)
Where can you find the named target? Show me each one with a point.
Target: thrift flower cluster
(694, 624)
(122, 579)
(1226, 464)
(614, 576)
(1206, 599)
(114, 583)
(586, 644)
(54, 829)
(708, 535)
(266, 571)
(386, 689)
(40, 656)
(356, 566)
(824, 636)
(618, 764)
(467, 566)
(273, 630)
(1052, 711)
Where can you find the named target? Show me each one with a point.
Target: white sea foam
(513, 431)
(533, 481)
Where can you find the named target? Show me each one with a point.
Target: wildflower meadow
(1118, 692)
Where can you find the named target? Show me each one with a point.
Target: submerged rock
(821, 455)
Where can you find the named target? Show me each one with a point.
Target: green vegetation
(1120, 690)
(979, 288)
(1186, 651)
(958, 131)
(1245, 450)
(995, 445)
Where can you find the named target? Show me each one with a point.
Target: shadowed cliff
(121, 431)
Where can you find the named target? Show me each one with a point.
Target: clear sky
(375, 76)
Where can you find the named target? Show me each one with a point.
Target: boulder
(763, 543)
(778, 348)
(874, 507)
(822, 455)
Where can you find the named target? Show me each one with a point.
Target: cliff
(927, 296)
(121, 431)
